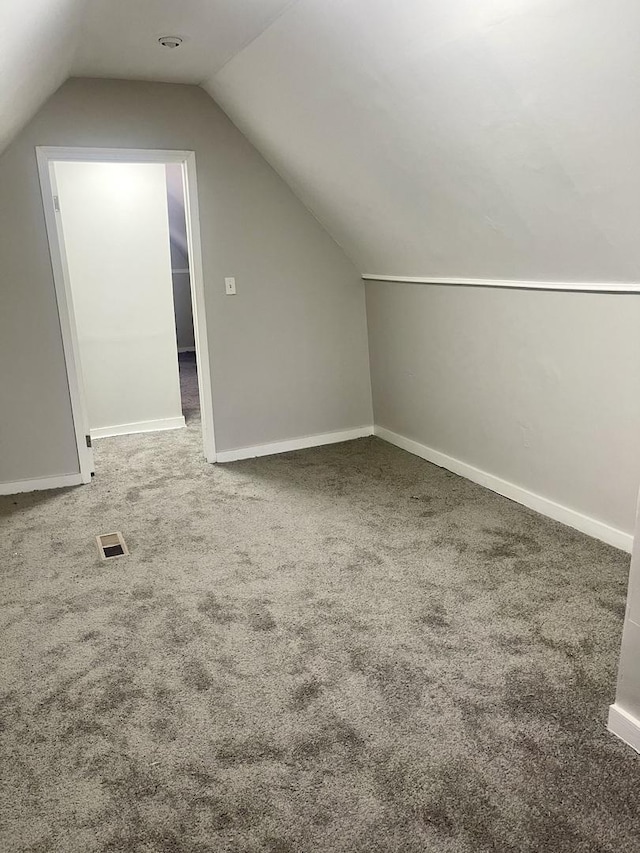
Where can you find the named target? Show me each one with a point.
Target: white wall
(116, 234)
(289, 353)
(537, 388)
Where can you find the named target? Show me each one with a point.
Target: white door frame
(47, 156)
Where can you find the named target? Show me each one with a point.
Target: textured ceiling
(472, 138)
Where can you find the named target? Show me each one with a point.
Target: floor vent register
(111, 545)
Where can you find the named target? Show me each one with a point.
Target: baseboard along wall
(41, 484)
(625, 726)
(293, 444)
(545, 506)
(140, 426)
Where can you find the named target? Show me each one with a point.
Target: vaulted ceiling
(475, 138)
(39, 39)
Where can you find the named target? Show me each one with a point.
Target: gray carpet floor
(339, 649)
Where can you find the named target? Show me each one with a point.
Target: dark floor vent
(112, 545)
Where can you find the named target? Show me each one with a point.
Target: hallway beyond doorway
(189, 395)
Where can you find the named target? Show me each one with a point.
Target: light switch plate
(230, 286)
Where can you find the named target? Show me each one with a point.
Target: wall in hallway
(116, 234)
(177, 218)
(183, 309)
(179, 257)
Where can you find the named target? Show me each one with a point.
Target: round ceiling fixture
(170, 41)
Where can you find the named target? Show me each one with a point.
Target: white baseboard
(624, 726)
(556, 511)
(140, 426)
(292, 444)
(41, 484)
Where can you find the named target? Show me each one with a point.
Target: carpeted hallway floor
(189, 387)
(340, 649)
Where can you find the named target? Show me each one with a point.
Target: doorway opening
(124, 238)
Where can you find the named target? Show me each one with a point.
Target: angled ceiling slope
(471, 138)
(38, 43)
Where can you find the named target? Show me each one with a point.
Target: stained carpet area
(339, 649)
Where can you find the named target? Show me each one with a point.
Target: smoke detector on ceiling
(170, 41)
